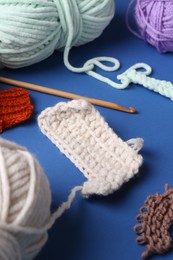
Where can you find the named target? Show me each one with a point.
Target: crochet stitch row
(82, 134)
(15, 107)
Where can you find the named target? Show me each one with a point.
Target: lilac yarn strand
(154, 20)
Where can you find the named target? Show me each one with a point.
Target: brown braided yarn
(155, 219)
(15, 107)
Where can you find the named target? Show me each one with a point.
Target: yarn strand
(64, 206)
(25, 203)
(90, 64)
(127, 19)
(5, 191)
(57, 214)
(31, 32)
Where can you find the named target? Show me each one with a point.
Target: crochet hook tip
(56, 92)
(132, 110)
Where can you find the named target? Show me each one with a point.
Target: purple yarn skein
(154, 19)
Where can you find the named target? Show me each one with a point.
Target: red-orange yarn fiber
(15, 107)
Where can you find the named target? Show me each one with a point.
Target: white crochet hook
(64, 94)
(136, 76)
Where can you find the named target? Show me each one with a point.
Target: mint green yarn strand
(71, 33)
(30, 31)
(87, 66)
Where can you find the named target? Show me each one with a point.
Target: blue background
(102, 227)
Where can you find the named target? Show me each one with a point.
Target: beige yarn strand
(25, 216)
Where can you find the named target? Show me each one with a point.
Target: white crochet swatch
(82, 134)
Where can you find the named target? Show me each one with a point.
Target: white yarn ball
(25, 200)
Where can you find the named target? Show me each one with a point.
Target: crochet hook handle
(64, 94)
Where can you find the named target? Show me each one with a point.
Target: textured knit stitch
(136, 76)
(82, 134)
(155, 220)
(25, 200)
(15, 107)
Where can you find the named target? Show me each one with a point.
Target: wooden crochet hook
(64, 94)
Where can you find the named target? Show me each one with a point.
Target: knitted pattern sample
(82, 134)
(155, 220)
(15, 107)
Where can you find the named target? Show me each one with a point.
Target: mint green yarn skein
(31, 30)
